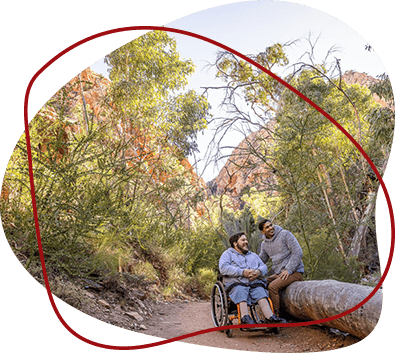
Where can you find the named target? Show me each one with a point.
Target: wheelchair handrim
(214, 315)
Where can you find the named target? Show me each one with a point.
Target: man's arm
(226, 268)
(262, 268)
(296, 253)
(263, 255)
(260, 272)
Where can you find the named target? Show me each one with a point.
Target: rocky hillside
(353, 77)
(243, 171)
(86, 89)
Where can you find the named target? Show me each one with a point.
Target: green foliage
(105, 188)
(79, 198)
(203, 281)
(300, 122)
(257, 88)
(383, 89)
(326, 262)
(183, 118)
(382, 119)
(261, 203)
(149, 63)
(147, 75)
(243, 221)
(198, 284)
(200, 248)
(117, 194)
(146, 269)
(319, 171)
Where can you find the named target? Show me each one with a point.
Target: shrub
(207, 278)
(201, 248)
(327, 262)
(146, 269)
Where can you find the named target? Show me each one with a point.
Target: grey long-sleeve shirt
(284, 250)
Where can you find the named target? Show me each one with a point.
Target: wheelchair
(224, 311)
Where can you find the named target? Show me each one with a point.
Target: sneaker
(246, 319)
(274, 319)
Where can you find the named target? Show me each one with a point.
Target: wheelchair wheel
(219, 308)
(229, 333)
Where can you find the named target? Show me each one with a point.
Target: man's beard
(244, 251)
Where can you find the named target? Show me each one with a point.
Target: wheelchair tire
(219, 307)
(229, 333)
(275, 330)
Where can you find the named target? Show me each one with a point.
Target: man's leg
(259, 295)
(265, 307)
(275, 285)
(243, 309)
(239, 295)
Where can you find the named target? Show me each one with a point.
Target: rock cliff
(81, 100)
(244, 169)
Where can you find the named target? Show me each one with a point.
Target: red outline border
(148, 28)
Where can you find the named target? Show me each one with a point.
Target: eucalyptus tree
(149, 101)
(322, 181)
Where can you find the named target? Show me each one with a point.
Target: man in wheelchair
(243, 273)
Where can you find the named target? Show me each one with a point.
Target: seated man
(283, 248)
(243, 273)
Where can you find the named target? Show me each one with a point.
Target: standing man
(243, 273)
(282, 247)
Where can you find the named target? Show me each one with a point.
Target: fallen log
(315, 300)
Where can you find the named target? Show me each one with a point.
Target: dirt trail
(174, 319)
(171, 319)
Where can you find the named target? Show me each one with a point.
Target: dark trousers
(276, 285)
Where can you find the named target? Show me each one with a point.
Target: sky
(250, 27)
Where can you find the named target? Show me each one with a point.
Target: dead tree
(315, 300)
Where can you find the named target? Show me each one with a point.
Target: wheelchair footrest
(255, 329)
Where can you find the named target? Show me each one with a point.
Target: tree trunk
(329, 202)
(315, 300)
(84, 106)
(362, 229)
(332, 216)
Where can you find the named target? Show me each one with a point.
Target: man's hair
(234, 238)
(263, 222)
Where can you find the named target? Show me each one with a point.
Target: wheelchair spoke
(218, 307)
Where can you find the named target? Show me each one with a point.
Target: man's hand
(247, 273)
(284, 275)
(255, 275)
(251, 274)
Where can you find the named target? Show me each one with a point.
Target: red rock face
(244, 169)
(88, 89)
(352, 77)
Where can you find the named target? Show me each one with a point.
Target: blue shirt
(232, 264)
